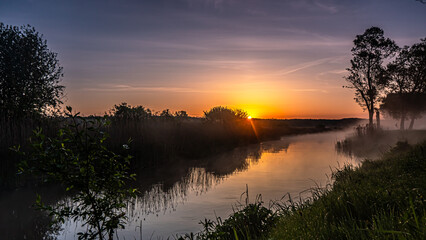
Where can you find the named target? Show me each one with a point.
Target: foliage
(96, 177)
(366, 71)
(224, 114)
(29, 73)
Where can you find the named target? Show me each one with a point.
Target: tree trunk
(402, 124)
(370, 118)
(411, 124)
(378, 119)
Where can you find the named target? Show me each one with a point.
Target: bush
(96, 177)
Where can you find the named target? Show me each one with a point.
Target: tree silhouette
(29, 73)
(398, 105)
(224, 114)
(365, 74)
(406, 82)
(123, 111)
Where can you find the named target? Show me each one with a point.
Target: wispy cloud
(128, 88)
(309, 90)
(327, 7)
(304, 65)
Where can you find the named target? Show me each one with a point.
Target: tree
(123, 111)
(365, 74)
(417, 73)
(29, 73)
(181, 114)
(224, 114)
(406, 83)
(398, 105)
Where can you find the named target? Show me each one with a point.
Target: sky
(272, 58)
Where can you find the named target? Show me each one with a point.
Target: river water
(176, 197)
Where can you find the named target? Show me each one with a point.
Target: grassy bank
(381, 199)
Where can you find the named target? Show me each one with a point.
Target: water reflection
(18, 218)
(164, 188)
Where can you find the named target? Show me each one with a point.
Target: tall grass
(157, 138)
(248, 221)
(15, 132)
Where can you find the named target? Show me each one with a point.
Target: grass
(249, 221)
(380, 199)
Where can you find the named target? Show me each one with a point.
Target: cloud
(305, 65)
(327, 8)
(309, 90)
(128, 88)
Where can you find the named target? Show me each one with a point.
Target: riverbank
(380, 199)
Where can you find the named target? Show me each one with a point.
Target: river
(176, 197)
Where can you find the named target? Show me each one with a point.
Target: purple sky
(274, 58)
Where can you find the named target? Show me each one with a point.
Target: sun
(249, 117)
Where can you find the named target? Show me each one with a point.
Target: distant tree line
(397, 88)
(218, 114)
